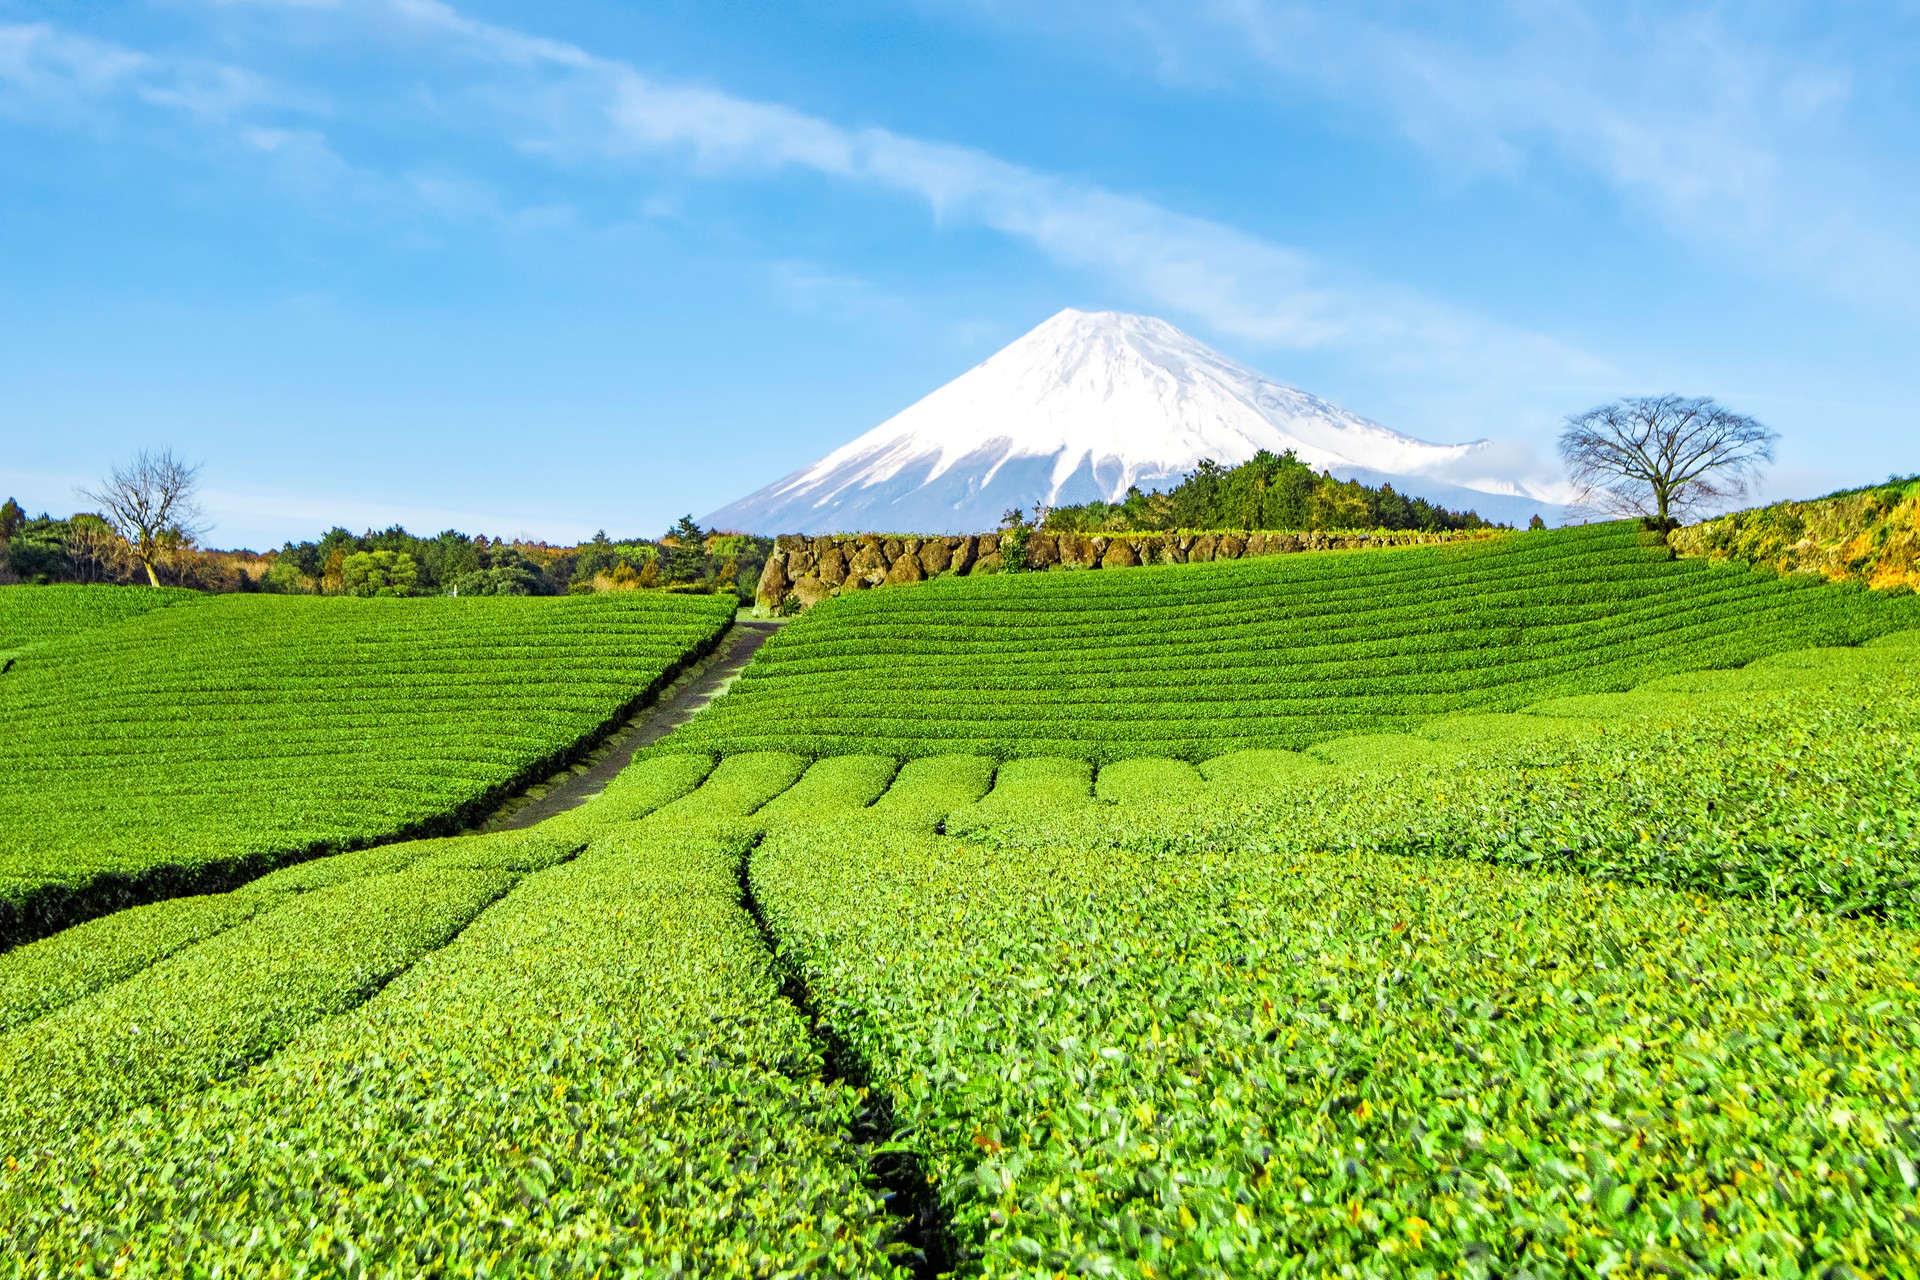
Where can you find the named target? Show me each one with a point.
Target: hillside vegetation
(1197, 660)
(1865, 535)
(802, 571)
(195, 745)
(1268, 491)
(42, 550)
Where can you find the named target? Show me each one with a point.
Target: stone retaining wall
(803, 571)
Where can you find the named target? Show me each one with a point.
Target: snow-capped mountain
(1086, 405)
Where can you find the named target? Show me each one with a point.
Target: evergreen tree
(687, 561)
(1268, 491)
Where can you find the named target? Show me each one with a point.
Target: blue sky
(541, 269)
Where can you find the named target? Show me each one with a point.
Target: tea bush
(192, 747)
(1201, 660)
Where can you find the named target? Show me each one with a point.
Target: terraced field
(158, 751)
(1275, 1015)
(1620, 978)
(1193, 661)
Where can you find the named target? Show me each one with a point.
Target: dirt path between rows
(677, 703)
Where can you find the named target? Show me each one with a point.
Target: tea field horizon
(1538, 904)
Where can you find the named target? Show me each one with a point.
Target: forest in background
(83, 548)
(1269, 491)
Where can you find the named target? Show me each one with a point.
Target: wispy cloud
(1760, 130)
(558, 104)
(1674, 109)
(549, 97)
(48, 74)
(1669, 108)
(45, 68)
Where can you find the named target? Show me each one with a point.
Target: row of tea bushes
(1235, 1063)
(805, 571)
(213, 1009)
(42, 976)
(192, 748)
(1795, 780)
(1625, 984)
(34, 615)
(598, 1075)
(1197, 661)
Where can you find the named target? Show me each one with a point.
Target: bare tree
(1661, 455)
(150, 504)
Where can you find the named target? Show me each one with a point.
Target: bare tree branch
(1663, 456)
(150, 505)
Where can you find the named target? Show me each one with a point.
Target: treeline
(85, 547)
(390, 562)
(1270, 491)
(393, 562)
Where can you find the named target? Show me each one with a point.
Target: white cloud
(556, 99)
(211, 93)
(1752, 131)
(41, 63)
(1668, 107)
(44, 68)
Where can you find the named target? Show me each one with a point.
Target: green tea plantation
(157, 750)
(1193, 661)
(1545, 907)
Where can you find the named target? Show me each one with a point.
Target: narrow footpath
(678, 703)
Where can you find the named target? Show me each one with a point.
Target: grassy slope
(1866, 535)
(1197, 660)
(189, 747)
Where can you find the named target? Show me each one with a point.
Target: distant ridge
(1086, 405)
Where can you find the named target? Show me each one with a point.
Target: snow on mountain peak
(1083, 406)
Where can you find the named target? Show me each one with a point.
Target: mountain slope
(1084, 406)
